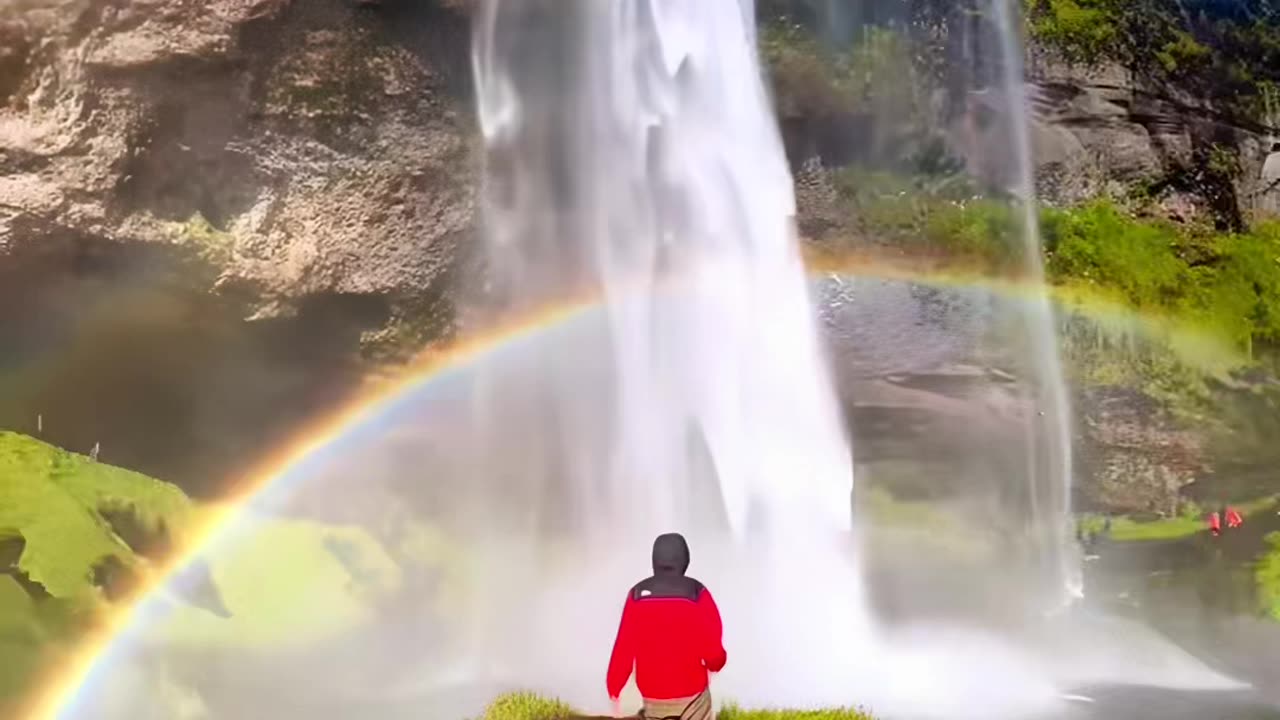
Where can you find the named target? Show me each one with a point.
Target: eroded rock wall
(301, 146)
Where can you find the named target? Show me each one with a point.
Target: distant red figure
(1215, 524)
(1234, 520)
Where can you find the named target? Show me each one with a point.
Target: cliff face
(300, 148)
(1106, 130)
(213, 212)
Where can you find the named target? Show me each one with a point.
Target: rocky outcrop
(1105, 130)
(299, 147)
(213, 213)
(1136, 458)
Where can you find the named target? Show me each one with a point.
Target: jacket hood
(670, 554)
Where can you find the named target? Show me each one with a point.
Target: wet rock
(1104, 130)
(1135, 457)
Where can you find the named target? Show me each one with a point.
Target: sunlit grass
(54, 501)
(1127, 529)
(1267, 576)
(733, 712)
(528, 706)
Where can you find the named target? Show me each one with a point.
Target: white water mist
(632, 153)
(1049, 432)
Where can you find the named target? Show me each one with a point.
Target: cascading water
(641, 161)
(632, 154)
(1049, 441)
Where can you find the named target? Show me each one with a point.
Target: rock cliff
(1106, 130)
(297, 147)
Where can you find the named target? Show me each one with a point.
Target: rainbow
(56, 699)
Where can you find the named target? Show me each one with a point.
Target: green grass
(1190, 522)
(528, 706)
(1267, 576)
(732, 712)
(55, 501)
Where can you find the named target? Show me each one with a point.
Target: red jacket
(1233, 518)
(671, 633)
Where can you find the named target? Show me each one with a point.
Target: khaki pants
(696, 707)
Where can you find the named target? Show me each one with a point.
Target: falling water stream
(632, 154)
(1049, 441)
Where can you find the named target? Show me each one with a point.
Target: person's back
(671, 634)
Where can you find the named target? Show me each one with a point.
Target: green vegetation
(1267, 576)
(733, 712)
(1188, 523)
(62, 518)
(1229, 283)
(1224, 51)
(76, 534)
(1225, 284)
(58, 506)
(527, 706)
(1127, 529)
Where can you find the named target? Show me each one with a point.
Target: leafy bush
(1226, 283)
(1081, 30)
(1228, 52)
(1098, 245)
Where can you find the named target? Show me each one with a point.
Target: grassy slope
(54, 500)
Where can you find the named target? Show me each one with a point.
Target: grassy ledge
(529, 706)
(1190, 522)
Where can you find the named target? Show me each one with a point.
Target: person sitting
(670, 633)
